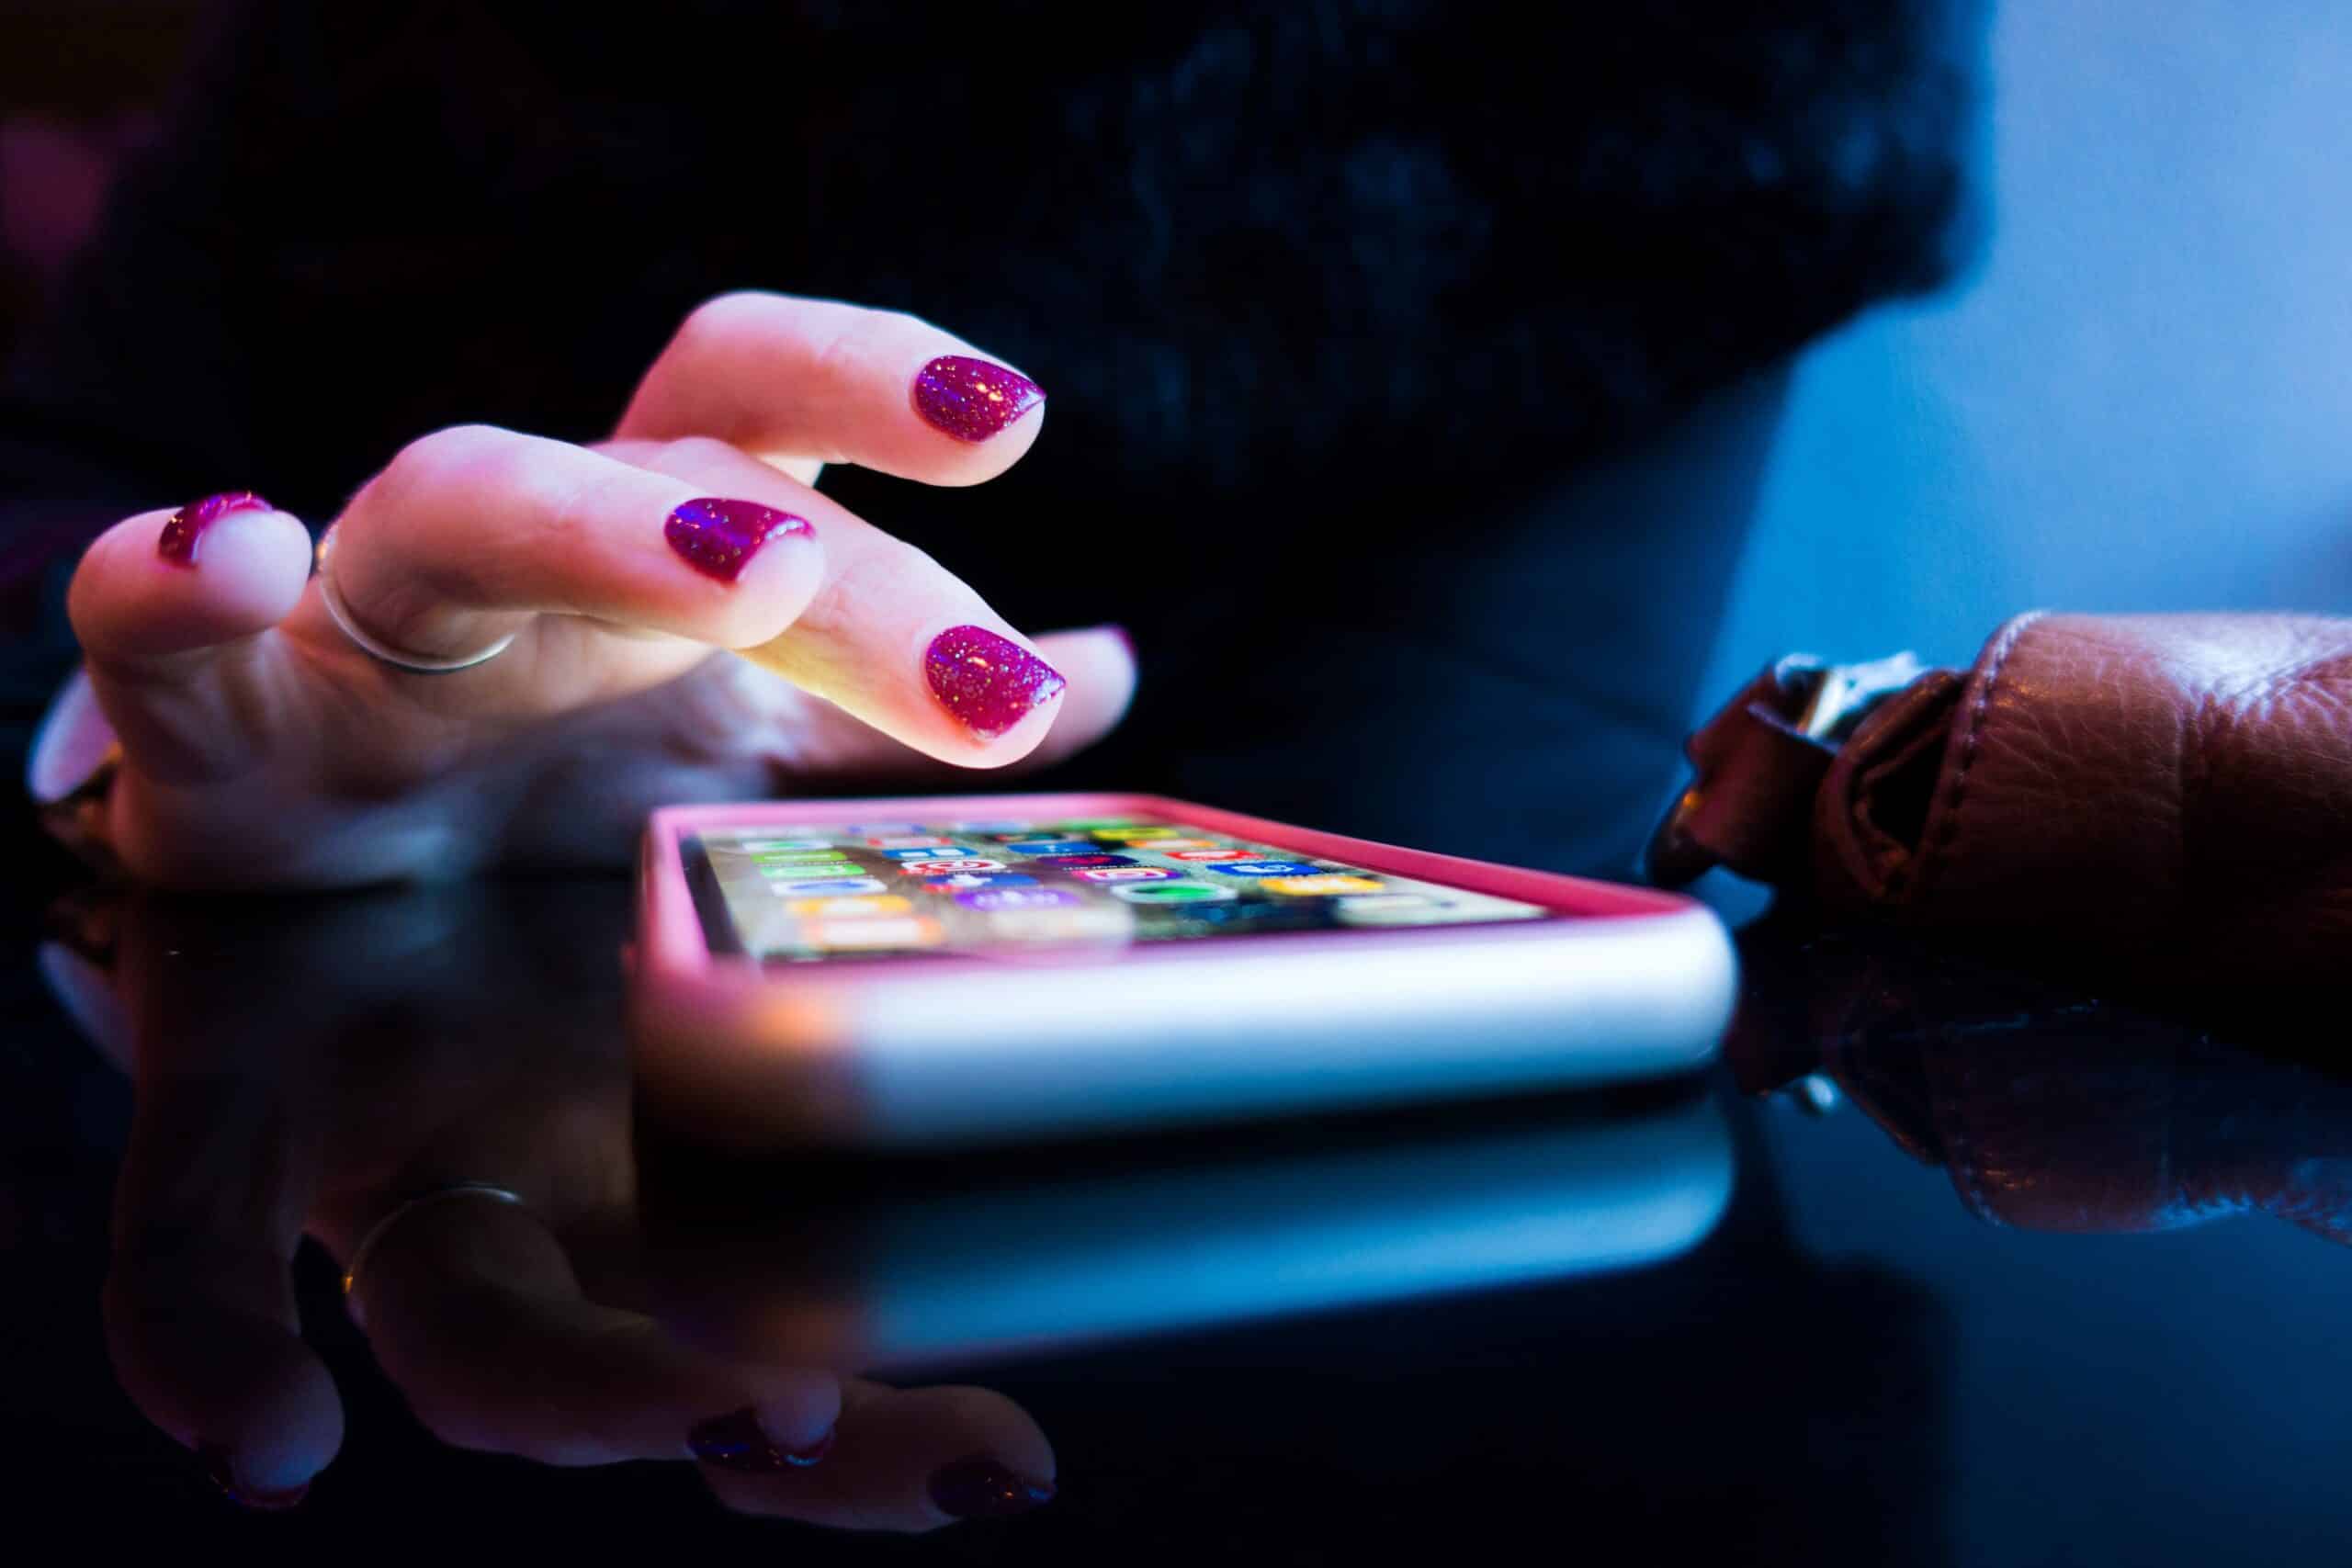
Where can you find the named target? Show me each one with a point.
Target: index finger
(784, 377)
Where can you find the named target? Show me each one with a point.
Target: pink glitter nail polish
(971, 399)
(183, 531)
(989, 682)
(717, 536)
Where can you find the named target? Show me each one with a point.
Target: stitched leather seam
(1925, 869)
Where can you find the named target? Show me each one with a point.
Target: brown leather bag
(2171, 795)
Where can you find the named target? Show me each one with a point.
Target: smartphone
(973, 970)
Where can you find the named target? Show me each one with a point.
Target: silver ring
(377, 1232)
(382, 652)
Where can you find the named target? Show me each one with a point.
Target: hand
(303, 1066)
(262, 747)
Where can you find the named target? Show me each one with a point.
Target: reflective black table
(1942, 1264)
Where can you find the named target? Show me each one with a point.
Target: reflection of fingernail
(717, 536)
(971, 399)
(185, 529)
(222, 1467)
(980, 1488)
(989, 683)
(737, 1441)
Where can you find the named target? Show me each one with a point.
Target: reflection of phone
(989, 968)
(905, 1266)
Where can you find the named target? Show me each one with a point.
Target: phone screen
(829, 892)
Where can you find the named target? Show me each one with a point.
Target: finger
(783, 377)
(164, 626)
(1098, 661)
(473, 1310)
(198, 1303)
(472, 532)
(894, 639)
(910, 1459)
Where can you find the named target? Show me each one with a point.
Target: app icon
(1127, 873)
(1072, 863)
(1170, 846)
(773, 846)
(1207, 855)
(832, 884)
(1053, 846)
(1000, 900)
(865, 909)
(1173, 893)
(796, 857)
(929, 852)
(910, 841)
(965, 881)
(1135, 832)
(817, 868)
(1018, 830)
(946, 867)
(1323, 885)
(861, 829)
(1266, 868)
(907, 930)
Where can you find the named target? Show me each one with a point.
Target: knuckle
(442, 455)
(722, 317)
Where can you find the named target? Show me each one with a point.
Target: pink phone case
(1044, 1043)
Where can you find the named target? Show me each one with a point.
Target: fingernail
(737, 1441)
(1127, 639)
(717, 536)
(185, 528)
(980, 1488)
(222, 1467)
(988, 683)
(971, 399)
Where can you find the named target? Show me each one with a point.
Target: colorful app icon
(861, 829)
(1322, 884)
(965, 881)
(928, 852)
(1127, 873)
(796, 857)
(1137, 831)
(1002, 900)
(773, 846)
(946, 867)
(1170, 846)
(1053, 846)
(1018, 830)
(1072, 863)
(910, 841)
(872, 907)
(1173, 893)
(832, 884)
(1207, 855)
(1266, 868)
(911, 930)
(813, 868)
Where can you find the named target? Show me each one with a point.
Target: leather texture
(2172, 794)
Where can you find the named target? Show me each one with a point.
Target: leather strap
(1758, 765)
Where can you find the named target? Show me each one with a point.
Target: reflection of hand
(2049, 1110)
(262, 747)
(303, 1067)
